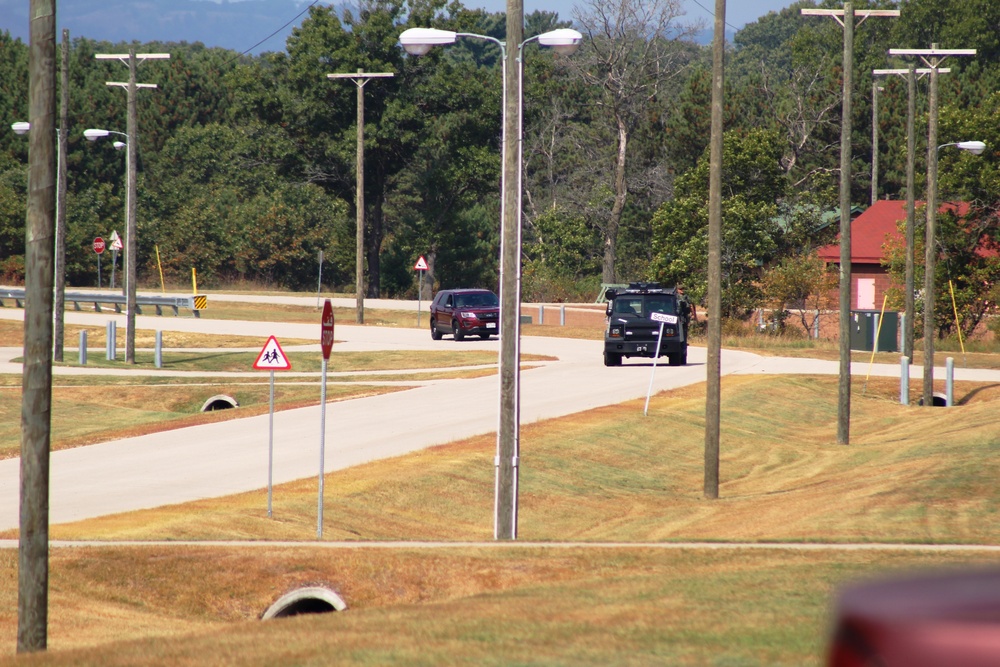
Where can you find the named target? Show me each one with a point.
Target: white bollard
(949, 382)
(904, 380)
(83, 347)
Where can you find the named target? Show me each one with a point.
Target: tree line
(246, 163)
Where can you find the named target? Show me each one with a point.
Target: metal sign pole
(420, 293)
(98, 270)
(659, 339)
(270, 449)
(322, 451)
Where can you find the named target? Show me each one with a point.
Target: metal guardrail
(195, 302)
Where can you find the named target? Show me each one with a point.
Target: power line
(293, 20)
(712, 14)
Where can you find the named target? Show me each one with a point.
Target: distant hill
(231, 25)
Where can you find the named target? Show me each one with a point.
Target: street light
(93, 135)
(419, 41)
(930, 258)
(23, 127)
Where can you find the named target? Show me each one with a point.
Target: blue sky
(233, 27)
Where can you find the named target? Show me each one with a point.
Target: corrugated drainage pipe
(309, 600)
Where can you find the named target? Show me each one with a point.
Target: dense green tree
(753, 181)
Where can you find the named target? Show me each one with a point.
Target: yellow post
(160, 267)
(958, 326)
(194, 281)
(878, 331)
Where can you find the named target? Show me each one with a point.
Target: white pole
(659, 339)
(270, 449)
(322, 451)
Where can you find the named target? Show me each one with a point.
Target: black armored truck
(635, 316)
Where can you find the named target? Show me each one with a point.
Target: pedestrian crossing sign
(272, 357)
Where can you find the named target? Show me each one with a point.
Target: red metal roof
(870, 230)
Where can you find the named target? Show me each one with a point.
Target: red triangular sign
(272, 357)
(421, 264)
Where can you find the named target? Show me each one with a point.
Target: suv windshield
(642, 306)
(476, 300)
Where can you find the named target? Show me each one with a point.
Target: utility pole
(845, 17)
(132, 130)
(36, 382)
(509, 430)
(360, 79)
(911, 74)
(60, 251)
(713, 398)
(932, 58)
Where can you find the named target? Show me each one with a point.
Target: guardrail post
(904, 380)
(158, 356)
(541, 314)
(949, 381)
(83, 347)
(112, 334)
(562, 316)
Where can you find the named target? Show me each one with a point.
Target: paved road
(231, 457)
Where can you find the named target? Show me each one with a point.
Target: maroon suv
(465, 312)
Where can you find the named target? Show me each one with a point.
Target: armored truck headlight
(615, 332)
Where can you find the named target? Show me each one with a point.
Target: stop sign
(98, 245)
(326, 335)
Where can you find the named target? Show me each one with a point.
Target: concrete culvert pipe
(310, 600)
(220, 402)
(938, 400)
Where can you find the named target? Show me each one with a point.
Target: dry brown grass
(198, 605)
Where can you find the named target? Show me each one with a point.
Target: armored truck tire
(612, 359)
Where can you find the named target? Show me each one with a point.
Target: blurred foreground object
(939, 618)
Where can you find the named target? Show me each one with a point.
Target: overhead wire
(290, 22)
(712, 14)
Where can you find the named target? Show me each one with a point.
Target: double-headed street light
(419, 41)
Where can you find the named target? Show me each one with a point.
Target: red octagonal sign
(98, 245)
(326, 337)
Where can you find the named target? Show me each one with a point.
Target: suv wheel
(612, 359)
(459, 334)
(435, 334)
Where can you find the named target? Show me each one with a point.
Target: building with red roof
(881, 222)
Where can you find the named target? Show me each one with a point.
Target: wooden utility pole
(845, 17)
(713, 398)
(36, 383)
(911, 111)
(60, 251)
(131, 231)
(932, 57)
(360, 79)
(508, 432)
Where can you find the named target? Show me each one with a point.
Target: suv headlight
(469, 316)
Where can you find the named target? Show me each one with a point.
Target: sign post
(116, 245)
(662, 318)
(271, 358)
(99, 249)
(326, 343)
(420, 267)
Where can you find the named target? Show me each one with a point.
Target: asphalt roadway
(231, 457)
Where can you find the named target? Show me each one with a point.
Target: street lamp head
(563, 41)
(20, 127)
(94, 135)
(418, 41)
(974, 147)
(119, 145)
